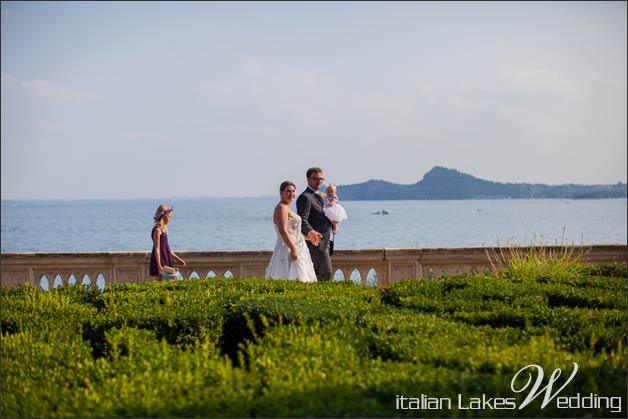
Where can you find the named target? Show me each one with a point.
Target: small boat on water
(384, 212)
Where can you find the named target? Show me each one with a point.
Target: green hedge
(249, 347)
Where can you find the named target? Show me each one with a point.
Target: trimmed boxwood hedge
(250, 347)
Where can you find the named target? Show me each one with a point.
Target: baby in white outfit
(332, 208)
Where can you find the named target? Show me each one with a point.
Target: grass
(537, 261)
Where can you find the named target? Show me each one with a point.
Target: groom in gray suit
(315, 225)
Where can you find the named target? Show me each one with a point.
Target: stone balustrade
(369, 267)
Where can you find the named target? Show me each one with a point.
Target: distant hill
(443, 183)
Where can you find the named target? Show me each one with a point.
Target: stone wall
(369, 267)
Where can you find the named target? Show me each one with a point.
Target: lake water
(246, 224)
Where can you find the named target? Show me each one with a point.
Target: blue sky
(156, 100)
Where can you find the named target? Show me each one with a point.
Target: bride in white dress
(291, 257)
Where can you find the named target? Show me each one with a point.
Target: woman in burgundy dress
(162, 256)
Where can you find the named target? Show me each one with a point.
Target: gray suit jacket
(310, 209)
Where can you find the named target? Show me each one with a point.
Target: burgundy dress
(164, 253)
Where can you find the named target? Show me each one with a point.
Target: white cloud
(55, 92)
(533, 79)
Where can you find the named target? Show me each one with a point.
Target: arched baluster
(372, 279)
(44, 282)
(355, 276)
(58, 280)
(338, 276)
(72, 280)
(101, 281)
(86, 280)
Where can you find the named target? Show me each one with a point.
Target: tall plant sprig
(537, 261)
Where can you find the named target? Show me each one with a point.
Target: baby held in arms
(332, 208)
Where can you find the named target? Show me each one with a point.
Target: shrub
(617, 270)
(249, 347)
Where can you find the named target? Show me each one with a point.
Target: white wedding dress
(281, 265)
